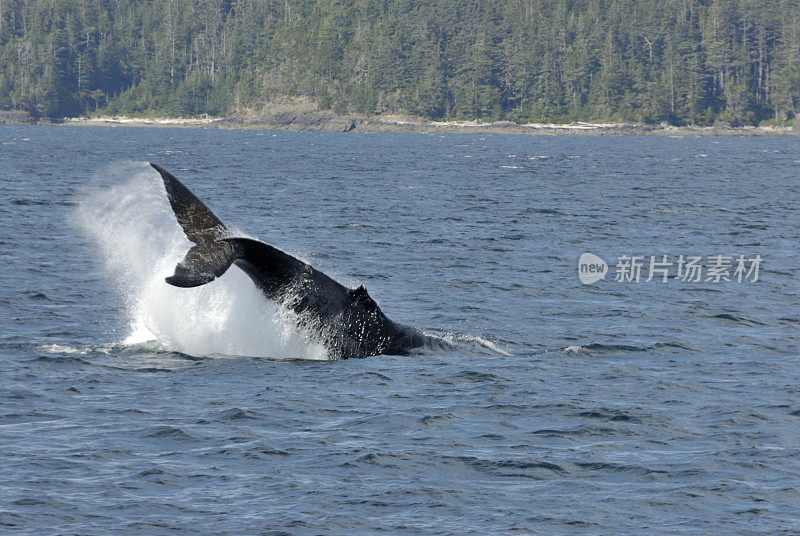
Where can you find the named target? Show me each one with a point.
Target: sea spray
(125, 212)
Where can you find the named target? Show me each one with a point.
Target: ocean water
(618, 407)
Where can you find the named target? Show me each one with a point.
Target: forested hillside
(679, 61)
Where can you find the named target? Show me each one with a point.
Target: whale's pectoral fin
(203, 263)
(198, 222)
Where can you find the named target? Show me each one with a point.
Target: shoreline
(292, 119)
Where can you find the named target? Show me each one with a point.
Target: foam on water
(61, 349)
(126, 214)
(471, 343)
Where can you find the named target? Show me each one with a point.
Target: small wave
(60, 359)
(738, 319)
(149, 349)
(151, 370)
(549, 211)
(62, 349)
(434, 420)
(376, 376)
(24, 418)
(514, 237)
(27, 295)
(473, 376)
(154, 471)
(619, 468)
(169, 432)
(40, 202)
(373, 458)
(36, 501)
(609, 415)
(491, 437)
(600, 348)
(263, 452)
(597, 348)
(473, 344)
(552, 432)
(511, 468)
(229, 415)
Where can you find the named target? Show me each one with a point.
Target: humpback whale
(348, 322)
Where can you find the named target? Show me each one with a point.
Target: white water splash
(478, 345)
(126, 214)
(61, 349)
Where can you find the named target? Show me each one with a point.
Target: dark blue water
(622, 407)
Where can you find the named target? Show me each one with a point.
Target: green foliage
(734, 62)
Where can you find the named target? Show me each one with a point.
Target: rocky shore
(304, 116)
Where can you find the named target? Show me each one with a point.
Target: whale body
(347, 321)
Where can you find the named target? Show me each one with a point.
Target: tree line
(678, 61)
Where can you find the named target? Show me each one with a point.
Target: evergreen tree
(679, 61)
